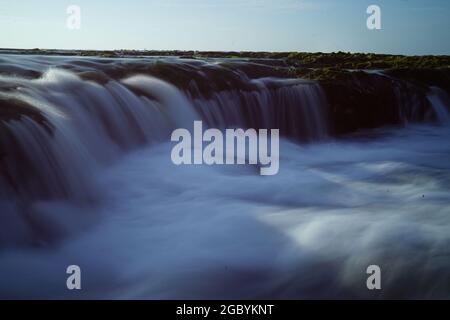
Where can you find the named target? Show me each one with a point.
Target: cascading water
(439, 100)
(298, 108)
(86, 178)
(89, 124)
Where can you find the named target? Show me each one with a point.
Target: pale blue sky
(408, 26)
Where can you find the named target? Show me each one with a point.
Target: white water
(93, 124)
(226, 232)
(140, 227)
(439, 101)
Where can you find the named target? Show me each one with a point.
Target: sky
(413, 27)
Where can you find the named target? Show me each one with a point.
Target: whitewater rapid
(86, 179)
(226, 232)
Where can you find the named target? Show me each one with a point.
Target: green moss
(340, 60)
(344, 60)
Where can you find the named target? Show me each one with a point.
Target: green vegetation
(344, 60)
(315, 66)
(334, 60)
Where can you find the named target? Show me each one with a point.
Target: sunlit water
(336, 207)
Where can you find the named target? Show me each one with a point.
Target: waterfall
(440, 100)
(85, 169)
(297, 108)
(63, 123)
(89, 124)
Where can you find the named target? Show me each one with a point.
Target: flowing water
(87, 179)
